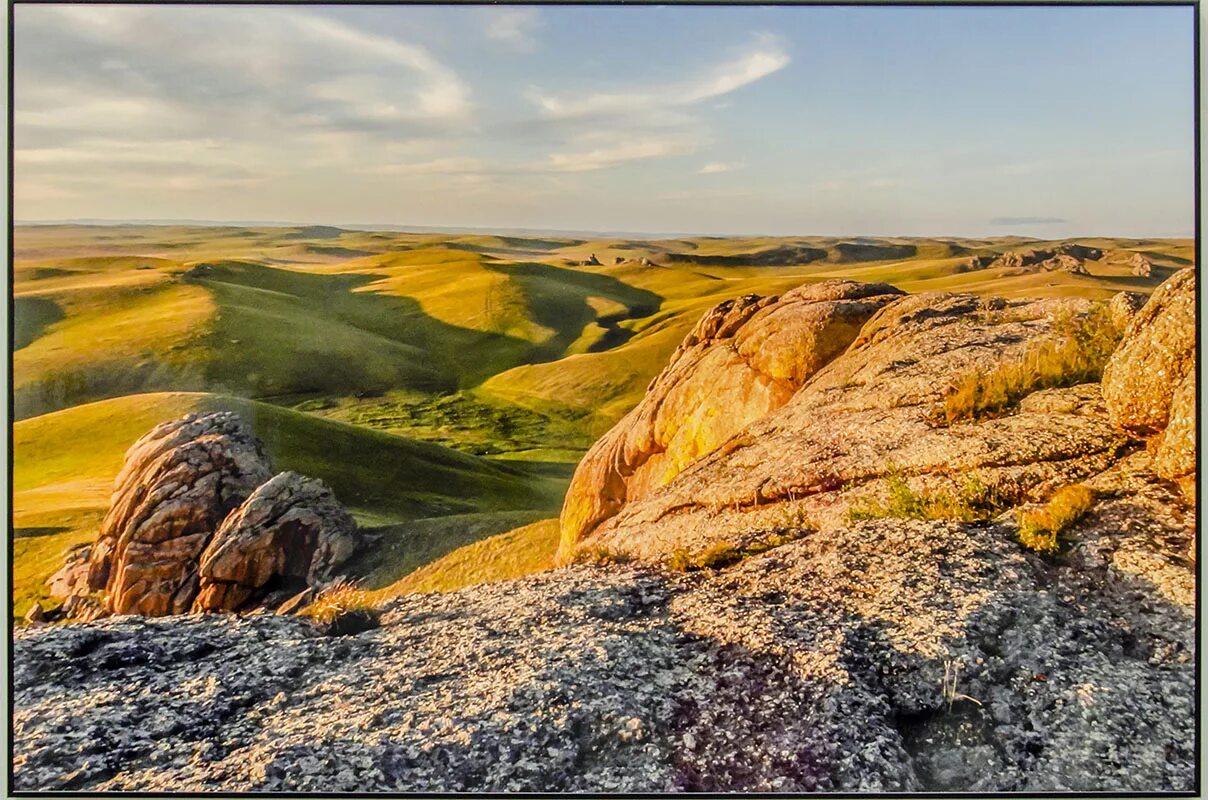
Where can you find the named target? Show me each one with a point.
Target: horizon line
(576, 232)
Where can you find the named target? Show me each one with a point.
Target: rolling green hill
(65, 463)
(389, 363)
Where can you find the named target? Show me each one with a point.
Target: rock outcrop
(196, 524)
(1066, 257)
(1064, 263)
(1124, 306)
(1149, 382)
(745, 358)
(1141, 266)
(290, 533)
(888, 655)
(177, 484)
(868, 415)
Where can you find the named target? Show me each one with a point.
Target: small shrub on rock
(1084, 344)
(600, 555)
(974, 501)
(342, 610)
(1039, 528)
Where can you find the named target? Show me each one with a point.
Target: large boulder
(868, 419)
(1124, 306)
(177, 484)
(1141, 266)
(288, 535)
(745, 358)
(1149, 382)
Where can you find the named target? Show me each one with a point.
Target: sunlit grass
(1078, 355)
(1039, 529)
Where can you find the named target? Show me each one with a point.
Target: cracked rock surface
(290, 533)
(868, 414)
(176, 485)
(883, 656)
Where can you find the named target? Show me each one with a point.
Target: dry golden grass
(1039, 528)
(338, 601)
(1085, 343)
(600, 555)
(973, 501)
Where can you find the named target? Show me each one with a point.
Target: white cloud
(514, 27)
(453, 165)
(714, 167)
(616, 154)
(763, 58)
(227, 71)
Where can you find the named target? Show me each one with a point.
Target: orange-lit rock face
(292, 529)
(745, 359)
(177, 484)
(1149, 383)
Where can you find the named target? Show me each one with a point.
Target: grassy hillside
(504, 556)
(389, 363)
(65, 463)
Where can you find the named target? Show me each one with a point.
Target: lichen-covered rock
(745, 358)
(884, 656)
(1149, 382)
(1157, 351)
(1124, 306)
(1175, 448)
(177, 484)
(1141, 266)
(870, 414)
(289, 534)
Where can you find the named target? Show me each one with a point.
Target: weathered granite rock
(889, 655)
(1141, 266)
(870, 414)
(1149, 382)
(35, 615)
(296, 603)
(1065, 263)
(177, 484)
(72, 578)
(290, 533)
(1124, 306)
(745, 358)
(1067, 257)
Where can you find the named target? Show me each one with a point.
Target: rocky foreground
(864, 652)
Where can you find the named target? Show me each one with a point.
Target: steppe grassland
(444, 385)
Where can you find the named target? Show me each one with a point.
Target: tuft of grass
(600, 556)
(1039, 528)
(974, 501)
(342, 609)
(725, 554)
(1084, 345)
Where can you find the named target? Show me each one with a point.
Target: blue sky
(1047, 121)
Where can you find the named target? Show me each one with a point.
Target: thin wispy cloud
(765, 56)
(717, 167)
(514, 27)
(617, 154)
(233, 74)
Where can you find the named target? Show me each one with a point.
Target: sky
(974, 121)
